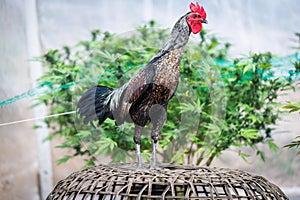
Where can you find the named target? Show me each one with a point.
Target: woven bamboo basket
(125, 181)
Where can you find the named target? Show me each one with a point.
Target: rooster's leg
(154, 136)
(158, 118)
(137, 141)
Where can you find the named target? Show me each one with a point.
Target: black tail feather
(94, 104)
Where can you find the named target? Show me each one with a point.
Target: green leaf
(292, 106)
(261, 155)
(146, 155)
(248, 68)
(178, 157)
(243, 155)
(83, 133)
(105, 145)
(294, 144)
(250, 133)
(273, 146)
(63, 160)
(120, 155)
(213, 129)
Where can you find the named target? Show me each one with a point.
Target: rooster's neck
(179, 35)
(176, 43)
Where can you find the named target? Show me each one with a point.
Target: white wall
(257, 25)
(18, 149)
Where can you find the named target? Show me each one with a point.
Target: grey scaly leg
(154, 136)
(158, 117)
(138, 155)
(137, 141)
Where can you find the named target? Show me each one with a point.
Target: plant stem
(199, 160)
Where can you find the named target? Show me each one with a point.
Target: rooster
(144, 98)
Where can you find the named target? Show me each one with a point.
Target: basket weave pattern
(125, 181)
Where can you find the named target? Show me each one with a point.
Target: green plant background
(221, 102)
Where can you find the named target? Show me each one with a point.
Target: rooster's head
(196, 17)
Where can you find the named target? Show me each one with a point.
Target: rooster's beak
(204, 21)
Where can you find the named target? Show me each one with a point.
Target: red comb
(196, 8)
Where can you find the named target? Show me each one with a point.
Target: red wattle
(196, 28)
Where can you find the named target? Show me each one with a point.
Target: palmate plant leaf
(273, 146)
(250, 133)
(243, 155)
(64, 159)
(105, 145)
(294, 144)
(292, 106)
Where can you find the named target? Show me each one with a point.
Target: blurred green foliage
(295, 106)
(218, 105)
